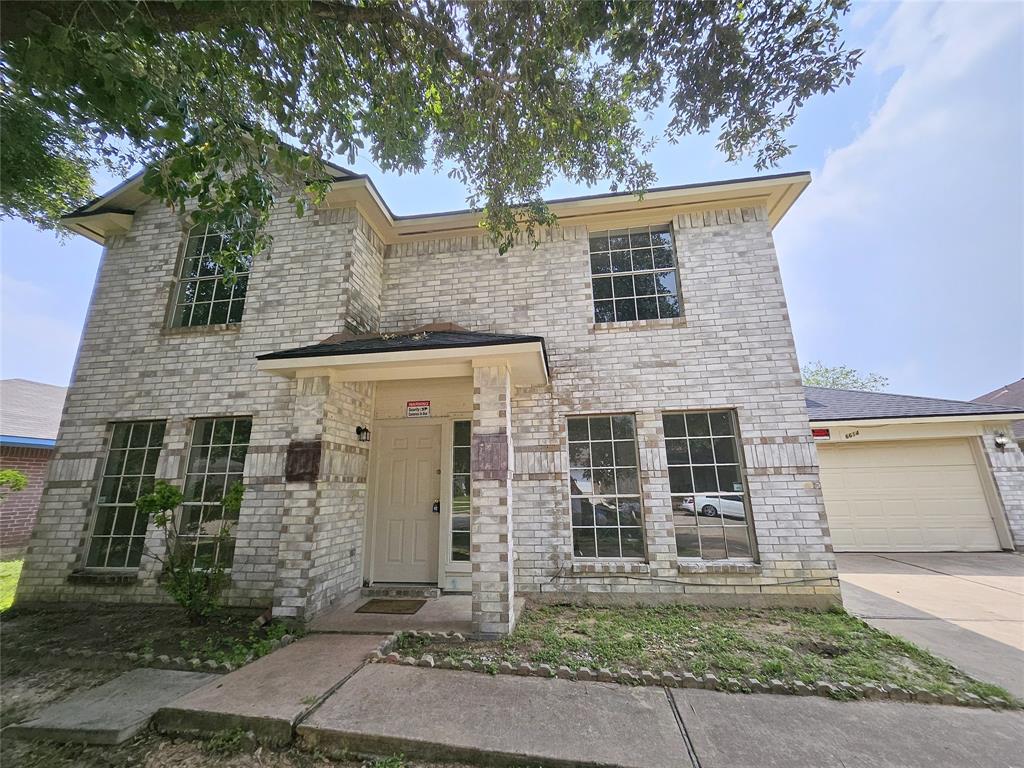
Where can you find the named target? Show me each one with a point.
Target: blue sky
(905, 257)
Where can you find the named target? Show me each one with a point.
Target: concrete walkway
(272, 694)
(967, 608)
(113, 712)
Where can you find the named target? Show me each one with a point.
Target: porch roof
(435, 351)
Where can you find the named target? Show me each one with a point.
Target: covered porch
(399, 474)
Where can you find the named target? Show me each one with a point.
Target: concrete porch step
(401, 590)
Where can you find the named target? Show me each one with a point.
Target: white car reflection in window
(716, 506)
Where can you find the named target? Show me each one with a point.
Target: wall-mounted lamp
(1000, 440)
(363, 434)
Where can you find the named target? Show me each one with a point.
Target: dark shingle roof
(847, 404)
(420, 340)
(1011, 395)
(29, 409)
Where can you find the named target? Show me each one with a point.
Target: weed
(229, 742)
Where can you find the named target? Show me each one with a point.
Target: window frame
(96, 504)
(180, 279)
(639, 496)
(721, 524)
(187, 475)
(654, 271)
(452, 474)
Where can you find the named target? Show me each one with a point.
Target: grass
(784, 644)
(10, 572)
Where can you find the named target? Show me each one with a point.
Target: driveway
(967, 608)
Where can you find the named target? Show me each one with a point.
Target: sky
(905, 256)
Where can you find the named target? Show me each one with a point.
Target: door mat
(381, 605)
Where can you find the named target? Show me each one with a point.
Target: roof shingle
(847, 404)
(30, 409)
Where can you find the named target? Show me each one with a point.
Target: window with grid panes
(119, 530)
(604, 487)
(461, 484)
(203, 297)
(633, 274)
(709, 498)
(216, 459)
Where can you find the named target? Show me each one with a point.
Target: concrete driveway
(967, 608)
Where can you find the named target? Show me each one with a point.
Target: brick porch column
(491, 502)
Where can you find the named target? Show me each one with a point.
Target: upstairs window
(203, 297)
(633, 274)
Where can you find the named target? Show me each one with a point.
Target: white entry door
(408, 483)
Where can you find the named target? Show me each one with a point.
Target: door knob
(437, 507)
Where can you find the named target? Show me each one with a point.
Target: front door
(408, 483)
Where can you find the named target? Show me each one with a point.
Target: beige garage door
(908, 496)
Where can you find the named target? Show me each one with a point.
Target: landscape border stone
(87, 658)
(386, 654)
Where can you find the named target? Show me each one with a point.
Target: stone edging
(386, 654)
(118, 659)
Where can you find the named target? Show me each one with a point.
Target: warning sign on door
(417, 408)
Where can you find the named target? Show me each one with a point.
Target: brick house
(29, 418)
(616, 414)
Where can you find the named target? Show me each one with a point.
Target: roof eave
(869, 421)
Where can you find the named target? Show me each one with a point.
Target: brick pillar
(298, 516)
(491, 550)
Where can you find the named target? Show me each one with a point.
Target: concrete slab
(966, 608)
(113, 712)
(448, 613)
(271, 694)
(764, 731)
(445, 715)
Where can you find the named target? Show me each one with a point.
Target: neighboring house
(406, 405)
(1010, 396)
(917, 474)
(29, 418)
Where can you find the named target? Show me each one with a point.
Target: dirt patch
(137, 628)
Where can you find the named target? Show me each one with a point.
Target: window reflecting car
(730, 507)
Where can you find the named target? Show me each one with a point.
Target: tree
(221, 98)
(11, 480)
(195, 586)
(817, 374)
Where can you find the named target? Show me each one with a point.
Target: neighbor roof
(404, 342)
(30, 412)
(847, 405)
(1012, 395)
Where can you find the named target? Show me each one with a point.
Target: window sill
(718, 566)
(639, 325)
(188, 330)
(611, 566)
(104, 578)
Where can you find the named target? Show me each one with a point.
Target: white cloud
(906, 250)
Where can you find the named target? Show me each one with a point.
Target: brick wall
(18, 510)
(1007, 465)
(132, 366)
(733, 349)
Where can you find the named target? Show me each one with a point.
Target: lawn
(784, 644)
(10, 571)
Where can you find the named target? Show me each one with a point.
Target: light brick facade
(300, 545)
(1007, 465)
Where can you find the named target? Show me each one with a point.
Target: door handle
(437, 507)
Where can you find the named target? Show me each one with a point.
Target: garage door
(909, 496)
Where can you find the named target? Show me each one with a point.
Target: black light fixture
(363, 434)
